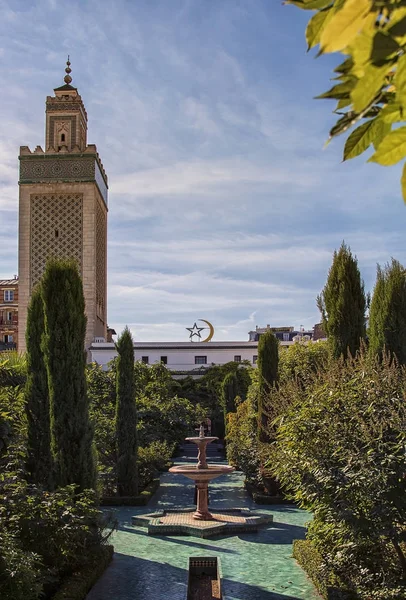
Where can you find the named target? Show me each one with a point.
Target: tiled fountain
(199, 521)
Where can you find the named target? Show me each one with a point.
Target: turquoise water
(255, 566)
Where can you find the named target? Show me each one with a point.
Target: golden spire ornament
(68, 79)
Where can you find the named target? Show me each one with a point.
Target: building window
(237, 358)
(145, 359)
(8, 295)
(164, 360)
(8, 339)
(285, 337)
(63, 137)
(9, 315)
(200, 360)
(254, 359)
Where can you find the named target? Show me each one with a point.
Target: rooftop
(13, 281)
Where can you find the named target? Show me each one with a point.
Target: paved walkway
(255, 566)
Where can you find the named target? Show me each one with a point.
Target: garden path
(255, 566)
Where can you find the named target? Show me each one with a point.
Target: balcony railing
(7, 346)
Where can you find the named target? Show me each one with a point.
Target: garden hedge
(77, 586)
(312, 563)
(140, 500)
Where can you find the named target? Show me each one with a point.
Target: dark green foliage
(229, 391)
(312, 562)
(39, 459)
(79, 584)
(151, 460)
(341, 453)
(64, 340)
(20, 577)
(387, 319)
(141, 500)
(52, 534)
(342, 304)
(207, 391)
(163, 419)
(43, 535)
(300, 362)
(268, 360)
(13, 368)
(242, 440)
(126, 417)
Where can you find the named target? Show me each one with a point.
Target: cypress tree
(229, 391)
(126, 417)
(387, 319)
(39, 459)
(64, 350)
(268, 360)
(342, 304)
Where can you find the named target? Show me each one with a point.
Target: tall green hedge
(126, 417)
(387, 319)
(64, 349)
(268, 360)
(39, 457)
(342, 304)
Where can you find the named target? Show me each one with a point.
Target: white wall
(181, 356)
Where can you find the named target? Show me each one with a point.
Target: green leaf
(383, 46)
(403, 182)
(361, 49)
(397, 23)
(345, 25)
(342, 103)
(381, 131)
(368, 87)
(341, 90)
(315, 27)
(310, 4)
(392, 149)
(392, 113)
(359, 140)
(400, 81)
(345, 67)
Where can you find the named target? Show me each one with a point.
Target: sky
(224, 204)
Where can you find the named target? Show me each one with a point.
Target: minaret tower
(63, 208)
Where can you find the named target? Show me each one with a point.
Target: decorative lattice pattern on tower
(101, 261)
(56, 169)
(56, 230)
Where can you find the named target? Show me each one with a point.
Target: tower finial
(67, 79)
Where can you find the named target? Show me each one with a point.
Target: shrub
(342, 304)
(341, 452)
(151, 459)
(19, 569)
(242, 441)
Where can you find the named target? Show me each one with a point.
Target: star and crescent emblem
(195, 331)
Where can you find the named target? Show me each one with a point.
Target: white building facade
(182, 357)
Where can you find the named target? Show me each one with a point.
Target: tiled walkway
(255, 566)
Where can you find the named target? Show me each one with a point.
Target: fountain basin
(196, 474)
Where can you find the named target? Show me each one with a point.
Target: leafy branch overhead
(370, 84)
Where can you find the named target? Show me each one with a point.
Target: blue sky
(223, 203)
